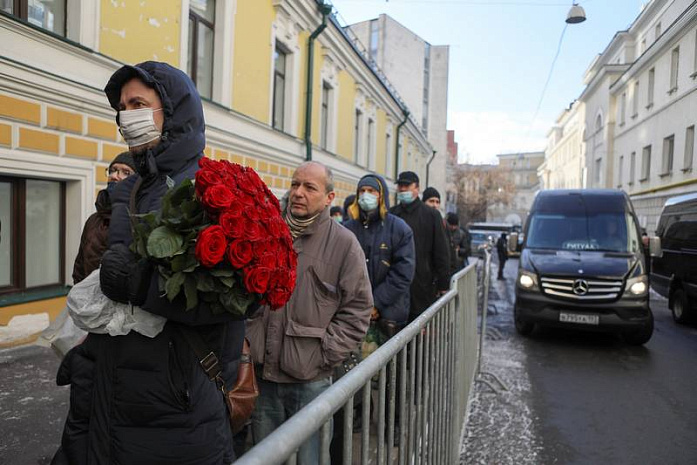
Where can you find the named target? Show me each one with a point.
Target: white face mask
(138, 126)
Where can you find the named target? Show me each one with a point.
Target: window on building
(371, 143)
(374, 39)
(598, 123)
(324, 115)
(46, 14)
(389, 158)
(649, 90)
(632, 168)
(689, 148)
(32, 230)
(357, 136)
(279, 87)
(645, 163)
(667, 162)
(657, 30)
(623, 108)
(426, 86)
(620, 169)
(674, 63)
(635, 100)
(201, 34)
(642, 49)
(598, 170)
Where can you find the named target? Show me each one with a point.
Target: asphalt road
(32, 407)
(584, 398)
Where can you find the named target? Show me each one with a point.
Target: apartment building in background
(250, 62)
(564, 166)
(641, 109)
(419, 72)
(521, 169)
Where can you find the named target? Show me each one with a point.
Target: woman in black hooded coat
(134, 399)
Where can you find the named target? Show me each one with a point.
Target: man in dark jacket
(95, 233)
(432, 255)
(460, 241)
(134, 399)
(502, 251)
(388, 245)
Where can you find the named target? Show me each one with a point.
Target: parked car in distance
(674, 271)
(480, 240)
(583, 265)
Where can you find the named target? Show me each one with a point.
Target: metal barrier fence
(426, 371)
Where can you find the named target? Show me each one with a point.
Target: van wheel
(640, 336)
(681, 307)
(523, 327)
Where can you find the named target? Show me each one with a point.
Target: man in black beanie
(431, 244)
(431, 197)
(459, 241)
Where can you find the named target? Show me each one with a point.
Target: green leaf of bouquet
(227, 281)
(190, 292)
(173, 285)
(204, 282)
(163, 242)
(222, 273)
(186, 263)
(236, 301)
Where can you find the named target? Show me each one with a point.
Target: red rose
(235, 210)
(245, 199)
(239, 253)
(252, 213)
(217, 197)
(206, 163)
(233, 169)
(250, 182)
(233, 226)
(211, 246)
(277, 298)
(253, 231)
(256, 279)
(204, 179)
(260, 248)
(268, 260)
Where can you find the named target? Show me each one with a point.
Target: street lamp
(576, 14)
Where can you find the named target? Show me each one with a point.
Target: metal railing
(425, 372)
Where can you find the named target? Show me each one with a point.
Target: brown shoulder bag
(241, 398)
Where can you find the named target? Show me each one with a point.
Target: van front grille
(581, 289)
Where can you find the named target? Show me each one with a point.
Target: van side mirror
(655, 249)
(512, 242)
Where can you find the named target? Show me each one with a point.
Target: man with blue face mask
(388, 245)
(431, 278)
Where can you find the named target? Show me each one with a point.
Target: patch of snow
(23, 326)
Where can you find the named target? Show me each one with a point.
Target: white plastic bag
(61, 335)
(94, 312)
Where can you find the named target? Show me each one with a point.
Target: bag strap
(206, 358)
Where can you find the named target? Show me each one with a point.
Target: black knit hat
(124, 158)
(452, 219)
(336, 209)
(429, 193)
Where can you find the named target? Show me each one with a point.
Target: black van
(583, 265)
(674, 271)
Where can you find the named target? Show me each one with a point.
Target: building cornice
(673, 34)
(605, 71)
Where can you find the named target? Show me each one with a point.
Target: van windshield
(606, 232)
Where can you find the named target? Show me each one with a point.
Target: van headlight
(527, 280)
(637, 286)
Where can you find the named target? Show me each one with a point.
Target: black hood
(572, 263)
(183, 132)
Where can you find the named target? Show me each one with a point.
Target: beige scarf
(297, 226)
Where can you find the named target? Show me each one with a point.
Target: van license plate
(581, 319)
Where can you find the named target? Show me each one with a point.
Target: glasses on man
(121, 172)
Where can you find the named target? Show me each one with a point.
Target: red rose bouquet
(220, 239)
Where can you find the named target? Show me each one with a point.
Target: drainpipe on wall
(428, 166)
(325, 10)
(399, 127)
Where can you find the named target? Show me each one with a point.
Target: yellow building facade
(250, 61)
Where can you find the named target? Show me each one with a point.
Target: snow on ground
(501, 426)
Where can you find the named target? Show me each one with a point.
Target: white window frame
(620, 169)
(370, 143)
(389, 150)
(622, 108)
(632, 168)
(645, 163)
(635, 100)
(329, 75)
(223, 46)
(650, 88)
(668, 158)
(689, 154)
(674, 69)
(82, 22)
(284, 32)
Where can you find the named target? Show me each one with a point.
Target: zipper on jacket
(182, 395)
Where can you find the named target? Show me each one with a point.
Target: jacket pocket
(177, 379)
(316, 301)
(301, 354)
